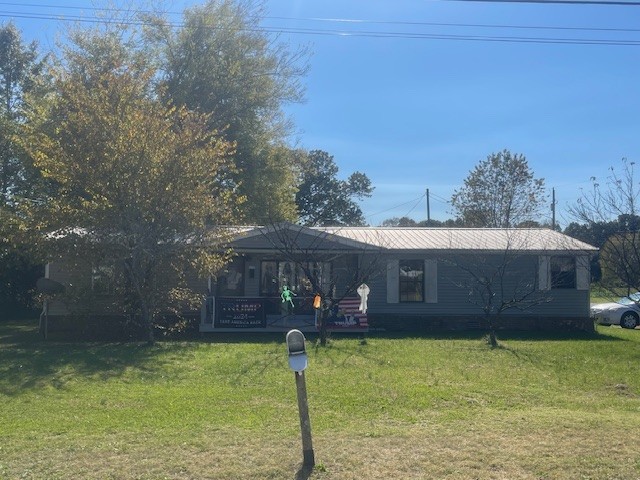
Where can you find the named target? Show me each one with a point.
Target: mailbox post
(298, 362)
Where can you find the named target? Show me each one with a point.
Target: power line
(355, 21)
(414, 207)
(440, 199)
(448, 24)
(419, 199)
(370, 34)
(360, 33)
(562, 2)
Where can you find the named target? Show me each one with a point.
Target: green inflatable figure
(287, 295)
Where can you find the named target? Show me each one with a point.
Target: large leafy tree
(20, 74)
(20, 70)
(139, 183)
(500, 191)
(323, 199)
(221, 62)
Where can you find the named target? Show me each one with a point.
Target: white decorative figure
(363, 291)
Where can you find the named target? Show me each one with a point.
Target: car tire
(629, 320)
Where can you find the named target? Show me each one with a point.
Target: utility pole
(553, 208)
(428, 209)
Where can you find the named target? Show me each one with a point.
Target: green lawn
(435, 407)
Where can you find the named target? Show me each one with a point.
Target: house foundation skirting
(401, 323)
(115, 326)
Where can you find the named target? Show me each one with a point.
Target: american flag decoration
(350, 308)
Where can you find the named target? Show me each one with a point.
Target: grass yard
(430, 407)
(601, 295)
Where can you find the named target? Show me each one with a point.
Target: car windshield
(634, 298)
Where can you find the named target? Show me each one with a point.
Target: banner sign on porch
(239, 313)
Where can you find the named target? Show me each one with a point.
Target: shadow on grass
(28, 362)
(435, 334)
(503, 335)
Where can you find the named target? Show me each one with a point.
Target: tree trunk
(147, 323)
(493, 339)
(147, 320)
(322, 323)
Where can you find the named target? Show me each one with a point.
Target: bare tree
(495, 282)
(311, 249)
(616, 202)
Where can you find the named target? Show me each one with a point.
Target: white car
(625, 312)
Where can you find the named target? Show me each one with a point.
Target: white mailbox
(297, 350)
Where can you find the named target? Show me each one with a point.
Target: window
(274, 275)
(411, 281)
(269, 279)
(289, 275)
(563, 272)
(320, 271)
(231, 280)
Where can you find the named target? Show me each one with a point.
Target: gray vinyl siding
(76, 277)
(65, 274)
(453, 296)
(444, 293)
(68, 274)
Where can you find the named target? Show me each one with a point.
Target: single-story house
(387, 278)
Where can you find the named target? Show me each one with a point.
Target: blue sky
(417, 113)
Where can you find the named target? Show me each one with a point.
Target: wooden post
(308, 459)
(44, 319)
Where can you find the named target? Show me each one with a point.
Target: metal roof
(480, 239)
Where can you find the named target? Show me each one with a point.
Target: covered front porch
(277, 271)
